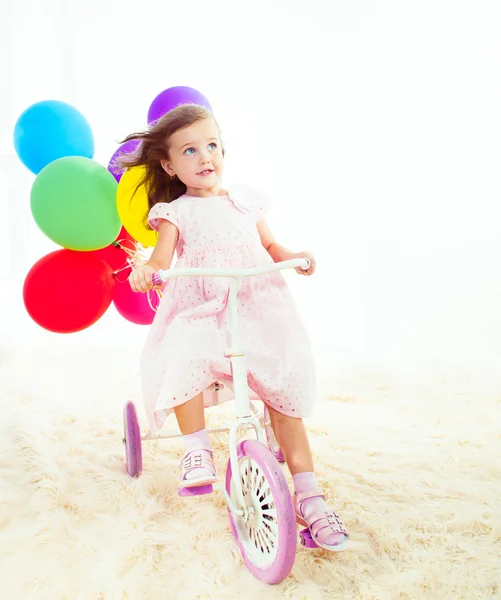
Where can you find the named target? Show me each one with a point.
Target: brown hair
(154, 147)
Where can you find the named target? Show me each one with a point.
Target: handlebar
(163, 275)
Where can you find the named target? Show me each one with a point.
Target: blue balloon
(49, 130)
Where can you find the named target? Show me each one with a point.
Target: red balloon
(134, 306)
(115, 256)
(67, 291)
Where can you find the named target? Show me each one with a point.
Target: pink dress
(185, 349)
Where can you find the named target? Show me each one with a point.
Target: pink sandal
(322, 527)
(200, 459)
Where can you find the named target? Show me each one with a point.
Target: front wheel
(267, 541)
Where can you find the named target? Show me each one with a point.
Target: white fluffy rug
(410, 460)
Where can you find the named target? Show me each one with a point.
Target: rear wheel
(132, 441)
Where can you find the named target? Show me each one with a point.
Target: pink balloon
(134, 306)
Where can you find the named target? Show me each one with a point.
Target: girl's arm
(280, 253)
(140, 278)
(161, 257)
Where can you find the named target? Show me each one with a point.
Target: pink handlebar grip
(156, 279)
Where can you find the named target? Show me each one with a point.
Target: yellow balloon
(132, 206)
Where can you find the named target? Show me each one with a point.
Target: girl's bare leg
(293, 440)
(291, 436)
(190, 415)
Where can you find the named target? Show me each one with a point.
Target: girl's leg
(292, 438)
(190, 415)
(198, 467)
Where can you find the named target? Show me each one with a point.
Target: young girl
(211, 227)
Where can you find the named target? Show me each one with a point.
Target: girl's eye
(189, 151)
(212, 146)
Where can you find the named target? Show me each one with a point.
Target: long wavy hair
(154, 147)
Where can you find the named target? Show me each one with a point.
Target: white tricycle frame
(269, 555)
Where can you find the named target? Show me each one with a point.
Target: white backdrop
(375, 127)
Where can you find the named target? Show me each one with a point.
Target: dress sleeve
(164, 210)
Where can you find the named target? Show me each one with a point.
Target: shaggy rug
(411, 461)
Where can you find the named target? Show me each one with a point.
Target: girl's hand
(140, 278)
(313, 263)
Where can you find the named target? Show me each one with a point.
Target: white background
(374, 126)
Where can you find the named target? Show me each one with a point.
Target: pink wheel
(270, 437)
(132, 441)
(267, 541)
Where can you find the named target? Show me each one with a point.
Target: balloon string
(135, 258)
(159, 296)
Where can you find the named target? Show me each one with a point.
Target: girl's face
(196, 157)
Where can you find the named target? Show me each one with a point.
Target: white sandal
(322, 524)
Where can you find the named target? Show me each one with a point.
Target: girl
(208, 226)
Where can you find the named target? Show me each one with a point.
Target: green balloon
(73, 201)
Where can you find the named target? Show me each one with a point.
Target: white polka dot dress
(185, 348)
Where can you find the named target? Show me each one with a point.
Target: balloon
(134, 306)
(132, 206)
(73, 203)
(68, 291)
(172, 97)
(49, 130)
(125, 148)
(115, 256)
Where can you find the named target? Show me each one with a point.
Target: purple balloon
(172, 97)
(126, 148)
